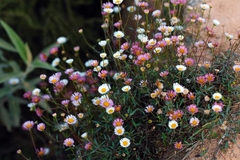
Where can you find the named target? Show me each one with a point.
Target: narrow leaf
(14, 110)
(44, 65)
(7, 46)
(6, 77)
(16, 40)
(29, 54)
(4, 116)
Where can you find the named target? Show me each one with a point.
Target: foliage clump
(162, 88)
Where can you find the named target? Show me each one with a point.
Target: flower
(217, 108)
(156, 13)
(71, 119)
(217, 96)
(102, 43)
(80, 115)
(172, 124)
(209, 77)
(55, 62)
(192, 109)
(36, 92)
(125, 142)
(178, 145)
(84, 135)
(62, 40)
(69, 142)
(118, 34)
(181, 67)
(28, 125)
(41, 126)
(216, 22)
(110, 110)
(189, 61)
(118, 122)
(126, 88)
(149, 109)
(104, 63)
(119, 130)
(204, 6)
(117, 1)
(14, 81)
(69, 61)
(236, 68)
(88, 145)
(178, 88)
(104, 88)
(194, 121)
(182, 50)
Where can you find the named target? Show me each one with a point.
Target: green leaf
(6, 77)
(7, 46)
(4, 116)
(16, 40)
(7, 90)
(14, 110)
(44, 65)
(29, 54)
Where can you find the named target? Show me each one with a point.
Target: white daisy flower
(217, 96)
(119, 130)
(71, 119)
(126, 88)
(172, 124)
(125, 142)
(104, 88)
(178, 88)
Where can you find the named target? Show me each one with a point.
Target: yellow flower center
(76, 98)
(237, 69)
(29, 125)
(174, 125)
(194, 123)
(217, 97)
(178, 89)
(103, 90)
(54, 81)
(70, 120)
(125, 143)
(106, 104)
(119, 131)
(192, 110)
